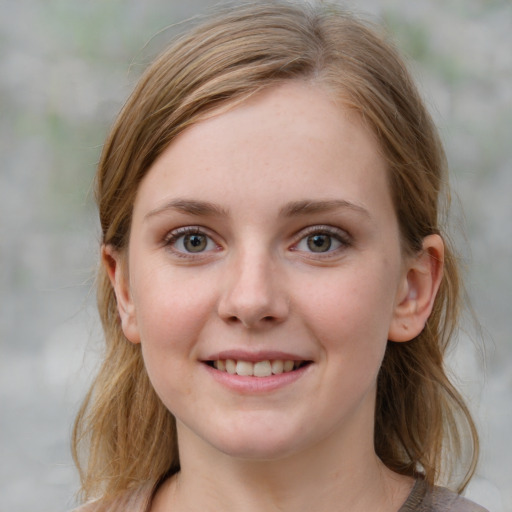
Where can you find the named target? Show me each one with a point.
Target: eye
(319, 243)
(190, 240)
(322, 239)
(192, 243)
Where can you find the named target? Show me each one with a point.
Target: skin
(255, 185)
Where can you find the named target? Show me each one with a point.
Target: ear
(418, 289)
(116, 267)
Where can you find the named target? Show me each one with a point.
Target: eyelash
(173, 238)
(340, 236)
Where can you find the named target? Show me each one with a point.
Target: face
(264, 275)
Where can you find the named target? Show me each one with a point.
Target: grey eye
(319, 243)
(321, 240)
(195, 242)
(192, 242)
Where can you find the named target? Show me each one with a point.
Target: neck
(334, 475)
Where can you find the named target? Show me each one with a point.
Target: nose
(254, 293)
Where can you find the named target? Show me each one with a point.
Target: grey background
(65, 69)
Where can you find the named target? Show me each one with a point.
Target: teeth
(259, 369)
(277, 367)
(288, 366)
(244, 368)
(230, 366)
(262, 369)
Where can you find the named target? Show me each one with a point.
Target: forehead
(289, 141)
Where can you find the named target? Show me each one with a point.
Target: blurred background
(66, 68)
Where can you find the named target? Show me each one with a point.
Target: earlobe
(115, 265)
(418, 290)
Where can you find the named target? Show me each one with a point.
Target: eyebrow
(309, 207)
(293, 209)
(191, 207)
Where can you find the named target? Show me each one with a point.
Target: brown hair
(128, 434)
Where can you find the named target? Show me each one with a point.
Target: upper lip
(244, 355)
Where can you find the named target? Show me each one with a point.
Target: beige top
(422, 499)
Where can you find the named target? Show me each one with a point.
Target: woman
(276, 291)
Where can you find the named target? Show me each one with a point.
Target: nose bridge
(254, 291)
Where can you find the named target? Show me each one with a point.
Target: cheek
(171, 313)
(351, 310)
(170, 320)
(170, 307)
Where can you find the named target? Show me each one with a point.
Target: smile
(265, 368)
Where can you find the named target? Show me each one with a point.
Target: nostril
(251, 322)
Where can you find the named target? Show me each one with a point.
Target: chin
(260, 446)
(255, 435)
(253, 452)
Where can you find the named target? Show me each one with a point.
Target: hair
(124, 436)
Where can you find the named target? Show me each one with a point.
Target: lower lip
(255, 385)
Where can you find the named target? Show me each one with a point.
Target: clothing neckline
(415, 497)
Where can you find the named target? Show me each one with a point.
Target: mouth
(264, 368)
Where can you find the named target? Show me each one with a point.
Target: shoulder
(136, 500)
(424, 498)
(444, 499)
